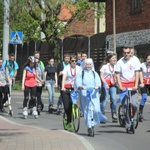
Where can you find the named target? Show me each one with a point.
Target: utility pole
(114, 25)
(6, 29)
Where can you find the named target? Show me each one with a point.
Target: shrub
(17, 86)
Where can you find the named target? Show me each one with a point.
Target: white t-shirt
(71, 73)
(146, 72)
(109, 72)
(127, 69)
(136, 60)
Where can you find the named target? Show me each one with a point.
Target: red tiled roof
(66, 12)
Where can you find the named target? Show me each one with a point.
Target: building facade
(132, 23)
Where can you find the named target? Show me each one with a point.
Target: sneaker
(81, 114)
(34, 112)
(42, 106)
(50, 109)
(59, 109)
(91, 131)
(103, 122)
(70, 127)
(39, 110)
(25, 112)
(140, 117)
(114, 116)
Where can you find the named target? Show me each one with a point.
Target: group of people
(125, 73)
(35, 77)
(77, 73)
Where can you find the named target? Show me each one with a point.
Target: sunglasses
(36, 58)
(73, 61)
(126, 52)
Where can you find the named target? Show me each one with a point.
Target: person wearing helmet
(29, 80)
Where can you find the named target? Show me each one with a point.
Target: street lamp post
(42, 17)
(6, 29)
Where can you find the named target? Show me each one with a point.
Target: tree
(25, 16)
(50, 25)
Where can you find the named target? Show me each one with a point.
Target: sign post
(16, 38)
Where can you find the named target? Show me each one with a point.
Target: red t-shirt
(30, 80)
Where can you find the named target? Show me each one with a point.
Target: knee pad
(27, 98)
(143, 100)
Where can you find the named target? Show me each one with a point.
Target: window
(136, 6)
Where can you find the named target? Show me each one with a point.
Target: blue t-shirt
(79, 62)
(12, 67)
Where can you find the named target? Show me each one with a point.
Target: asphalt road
(109, 136)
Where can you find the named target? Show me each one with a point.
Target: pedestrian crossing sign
(16, 37)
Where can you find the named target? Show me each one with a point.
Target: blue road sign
(16, 37)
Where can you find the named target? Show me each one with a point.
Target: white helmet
(31, 59)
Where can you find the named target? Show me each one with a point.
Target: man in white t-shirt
(127, 70)
(127, 73)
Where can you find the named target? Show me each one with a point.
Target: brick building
(83, 28)
(88, 28)
(132, 24)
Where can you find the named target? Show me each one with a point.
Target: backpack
(8, 65)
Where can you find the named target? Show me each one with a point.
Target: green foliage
(32, 16)
(26, 17)
(17, 86)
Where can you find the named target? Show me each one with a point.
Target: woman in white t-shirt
(69, 75)
(145, 84)
(107, 74)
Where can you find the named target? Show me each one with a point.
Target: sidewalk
(15, 136)
(20, 137)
